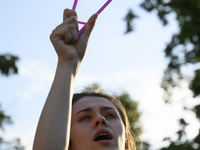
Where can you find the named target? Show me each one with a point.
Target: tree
(4, 119)
(130, 17)
(8, 67)
(8, 64)
(133, 114)
(187, 42)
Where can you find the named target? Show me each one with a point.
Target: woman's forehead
(92, 102)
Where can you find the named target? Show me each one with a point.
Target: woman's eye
(109, 116)
(85, 118)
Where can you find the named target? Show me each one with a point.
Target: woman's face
(96, 125)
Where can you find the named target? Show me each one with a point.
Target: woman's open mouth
(103, 136)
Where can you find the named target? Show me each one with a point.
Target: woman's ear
(126, 144)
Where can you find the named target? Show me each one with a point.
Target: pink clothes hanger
(98, 12)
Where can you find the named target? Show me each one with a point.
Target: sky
(119, 62)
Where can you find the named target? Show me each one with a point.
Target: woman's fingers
(71, 35)
(70, 17)
(90, 25)
(68, 30)
(70, 20)
(67, 33)
(68, 13)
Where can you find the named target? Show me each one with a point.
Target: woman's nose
(100, 121)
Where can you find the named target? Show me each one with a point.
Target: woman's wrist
(72, 66)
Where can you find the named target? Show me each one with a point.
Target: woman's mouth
(103, 136)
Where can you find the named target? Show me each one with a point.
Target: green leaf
(8, 64)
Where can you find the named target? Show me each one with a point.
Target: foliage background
(134, 63)
(183, 52)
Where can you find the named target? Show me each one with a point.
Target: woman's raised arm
(53, 131)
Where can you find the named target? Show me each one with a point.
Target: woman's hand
(68, 45)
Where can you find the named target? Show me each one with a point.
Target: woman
(93, 121)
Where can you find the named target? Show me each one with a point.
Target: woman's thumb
(90, 25)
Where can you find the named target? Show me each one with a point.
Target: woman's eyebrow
(104, 108)
(84, 110)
